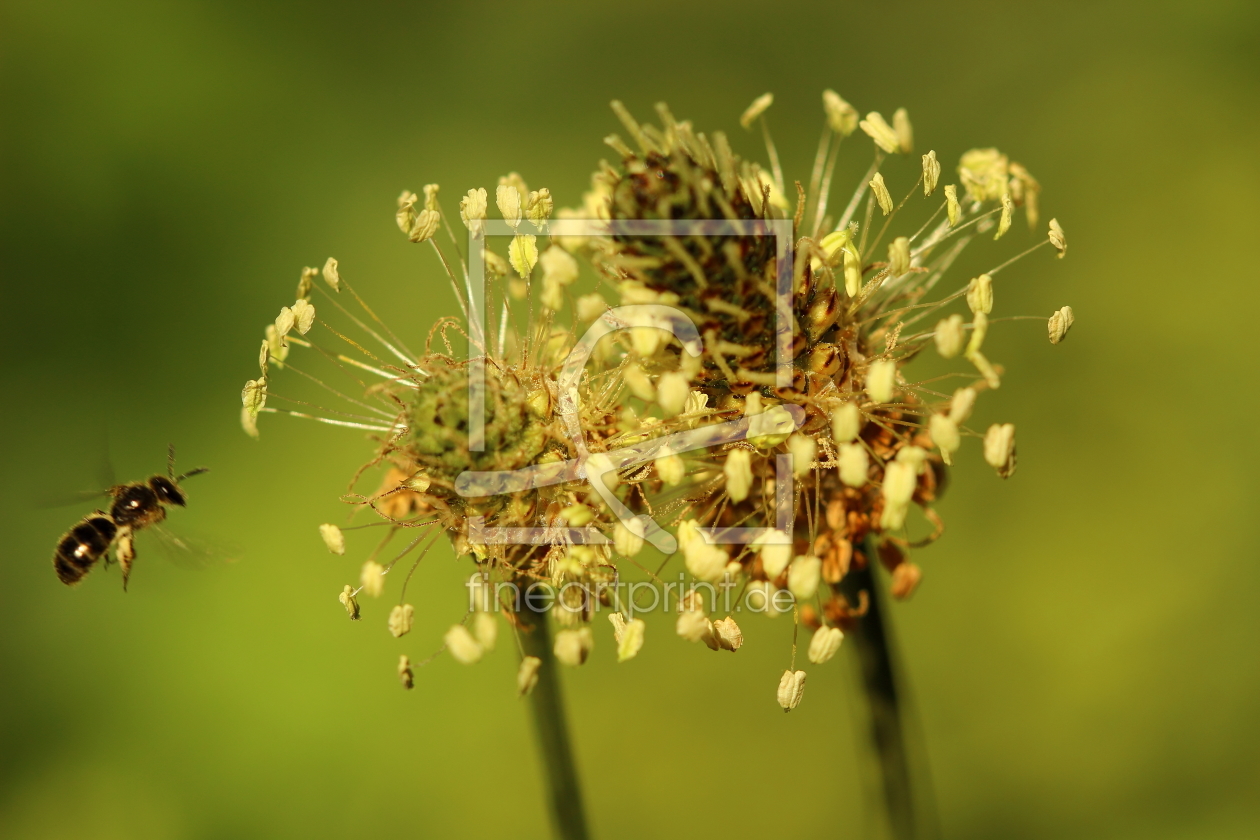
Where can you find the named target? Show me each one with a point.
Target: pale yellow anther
(984, 174)
(425, 225)
(704, 561)
(590, 307)
(671, 469)
(905, 578)
(999, 448)
(333, 538)
(842, 117)
(950, 336)
(249, 422)
(899, 256)
(1059, 324)
(854, 464)
(905, 133)
(405, 676)
(738, 471)
(804, 575)
(961, 405)
(254, 396)
(646, 340)
(523, 253)
(824, 644)
(931, 173)
(884, 135)
(462, 646)
(803, 450)
(372, 578)
(306, 284)
(538, 207)
(900, 480)
(638, 383)
(880, 190)
(695, 626)
(264, 357)
(881, 380)
(527, 675)
(508, 198)
(472, 210)
(952, 207)
(756, 109)
(1008, 213)
(1057, 238)
(303, 316)
(979, 329)
(846, 422)
(915, 456)
(431, 196)
(791, 689)
(348, 601)
(628, 537)
(485, 629)
(770, 428)
(331, 276)
(578, 515)
(728, 635)
(775, 552)
(406, 210)
(980, 294)
(631, 641)
(401, 618)
(573, 646)
(985, 367)
(671, 392)
(558, 266)
(945, 435)
(284, 321)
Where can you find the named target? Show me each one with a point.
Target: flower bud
(931, 173)
(878, 129)
(854, 464)
(950, 336)
(880, 190)
(999, 448)
(824, 644)
(881, 380)
(1060, 323)
(980, 294)
(527, 675)
(791, 689)
(372, 578)
(401, 618)
(574, 646)
(729, 636)
(405, 676)
(631, 641)
(804, 575)
(462, 645)
(333, 538)
(738, 471)
(485, 629)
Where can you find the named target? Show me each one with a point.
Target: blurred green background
(1082, 651)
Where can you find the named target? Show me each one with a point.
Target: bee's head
(167, 491)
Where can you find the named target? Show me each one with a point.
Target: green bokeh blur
(1082, 651)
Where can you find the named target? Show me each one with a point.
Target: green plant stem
(877, 663)
(546, 702)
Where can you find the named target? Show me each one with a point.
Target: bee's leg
(125, 552)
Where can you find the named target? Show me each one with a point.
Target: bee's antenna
(170, 462)
(191, 473)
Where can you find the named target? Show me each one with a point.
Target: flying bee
(135, 506)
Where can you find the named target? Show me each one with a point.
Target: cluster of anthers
(747, 391)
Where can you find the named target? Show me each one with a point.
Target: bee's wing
(186, 550)
(58, 499)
